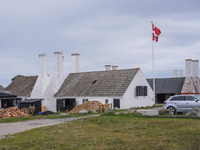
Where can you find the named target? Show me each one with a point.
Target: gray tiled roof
(2, 89)
(98, 83)
(29, 101)
(22, 86)
(6, 95)
(167, 85)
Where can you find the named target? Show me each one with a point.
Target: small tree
(17, 77)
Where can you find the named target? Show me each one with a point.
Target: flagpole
(153, 70)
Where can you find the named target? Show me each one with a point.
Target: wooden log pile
(89, 106)
(102, 107)
(12, 112)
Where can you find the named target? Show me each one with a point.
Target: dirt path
(16, 127)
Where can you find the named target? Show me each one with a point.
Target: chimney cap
(75, 54)
(107, 65)
(42, 55)
(57, 52)
(188, 59)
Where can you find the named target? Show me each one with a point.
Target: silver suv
(182, 103)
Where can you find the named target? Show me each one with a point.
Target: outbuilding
(165, 87)
(32, 102)
(8, 100)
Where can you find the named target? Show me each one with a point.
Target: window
(190, 98)
(141, 90)
(106, 101)
(178, 98)
(84, 100)
(94, 81)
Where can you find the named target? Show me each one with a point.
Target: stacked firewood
(89, 106)
(12, 112)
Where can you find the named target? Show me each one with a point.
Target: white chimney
(180, 73)
(195, 67)
(107, 67)
(75, 62)
(43, 62)
(175, 73)
(188, 65)
(114, 67)
(58, 63)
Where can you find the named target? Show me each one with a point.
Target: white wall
(130, 100)
(50, 104)
(40, 86)
(100, 99)
(55, 83)
(43, 79)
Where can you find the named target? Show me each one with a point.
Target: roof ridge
(106, 70)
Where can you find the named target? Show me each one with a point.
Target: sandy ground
(16, 127)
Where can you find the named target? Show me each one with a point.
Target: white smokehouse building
(123, 88)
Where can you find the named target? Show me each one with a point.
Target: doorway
(65, 104)
(116, 103)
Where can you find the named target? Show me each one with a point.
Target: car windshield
(197, 96)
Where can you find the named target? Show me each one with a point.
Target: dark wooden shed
(32, 102)
(8, 100)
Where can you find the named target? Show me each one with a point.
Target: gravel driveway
(16, 127)
(149, 112)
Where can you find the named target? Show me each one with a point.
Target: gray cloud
(116, 32)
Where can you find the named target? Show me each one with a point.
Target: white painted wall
(43, 80)
(195, 68)
(189, 68)
(130, 100)
(55, 83)
(75, 62)
(50, 103)
(79, 100)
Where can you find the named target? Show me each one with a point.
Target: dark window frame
(141, 91)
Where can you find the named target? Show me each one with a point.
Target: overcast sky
(115, 32)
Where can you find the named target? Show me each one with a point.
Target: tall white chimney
(188, 65)
(180, 73)
(175, 73)
(43, 62)
(114, 67)
(195, 67)
(75, 62)
(58, 64)
(107, 67)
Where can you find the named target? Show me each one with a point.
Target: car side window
(191, 98)
(178, 98)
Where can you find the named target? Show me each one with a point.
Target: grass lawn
(111, 133)
(31, 117)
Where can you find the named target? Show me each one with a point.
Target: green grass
(31, 117)
(111, 133)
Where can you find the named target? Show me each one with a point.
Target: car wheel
(172, 109)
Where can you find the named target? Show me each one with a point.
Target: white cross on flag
(155, 33)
